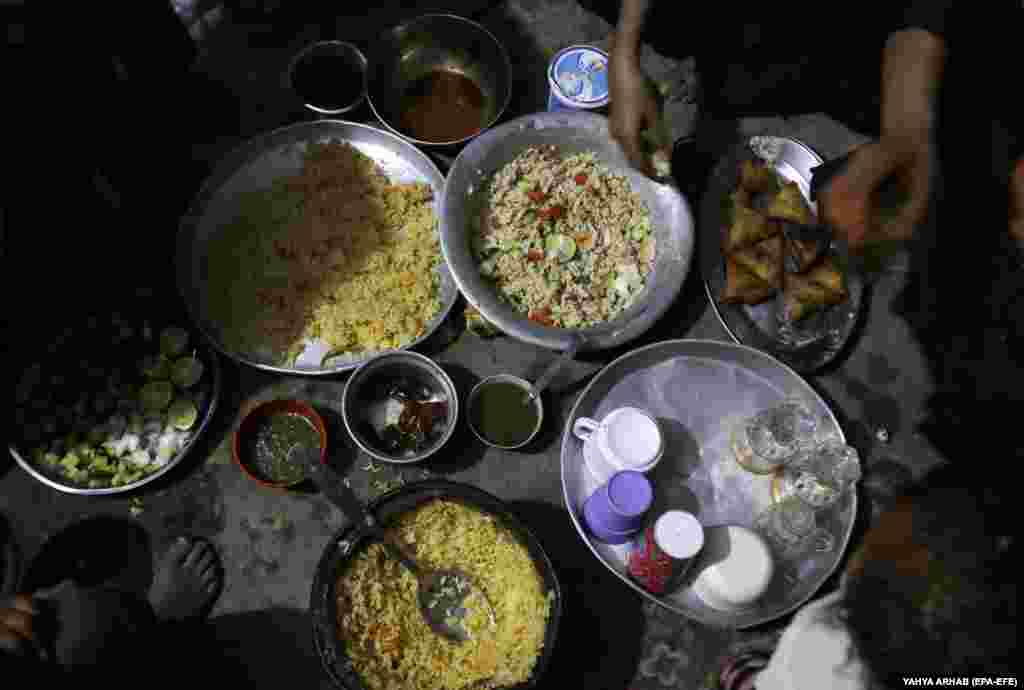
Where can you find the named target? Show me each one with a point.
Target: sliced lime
(154, 367)
(182, 414)
(173, 341)
(562, 247)
(186, 371)
(156, 395)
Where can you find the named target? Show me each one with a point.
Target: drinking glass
(771, 438)
(791, 527)
(821, 476)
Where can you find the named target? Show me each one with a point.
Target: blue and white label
(579, 77)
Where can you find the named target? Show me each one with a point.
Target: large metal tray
(820, 338)
(696, 389)
(255, 165)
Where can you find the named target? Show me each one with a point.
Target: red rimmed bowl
(250, 424)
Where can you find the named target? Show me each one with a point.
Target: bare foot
(187, 581)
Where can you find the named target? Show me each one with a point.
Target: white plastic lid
(679, 534)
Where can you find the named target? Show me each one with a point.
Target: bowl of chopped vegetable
(112, 402)
(400, 407)
(274, 438)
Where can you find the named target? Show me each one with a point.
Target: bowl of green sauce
(269, 442)
(501, 413)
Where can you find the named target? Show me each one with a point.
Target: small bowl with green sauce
(267, 442)
(501, 413)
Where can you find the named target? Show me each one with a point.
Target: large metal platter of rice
(315, 247)
(554, 238)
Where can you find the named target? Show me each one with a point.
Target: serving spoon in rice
(446, 596)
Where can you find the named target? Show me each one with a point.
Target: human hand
(851, 201)
(1017, 204)
(634, 107)
(17, 634)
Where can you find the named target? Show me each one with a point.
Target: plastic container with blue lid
(578, 79)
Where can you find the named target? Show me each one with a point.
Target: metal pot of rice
(556, 240)
(367, 626)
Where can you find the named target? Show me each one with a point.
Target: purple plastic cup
(615, 512)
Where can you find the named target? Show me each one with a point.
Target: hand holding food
(634, 107)
(882, 195)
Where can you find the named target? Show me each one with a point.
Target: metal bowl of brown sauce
(439, 80)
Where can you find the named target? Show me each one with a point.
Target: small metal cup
(352, 56)
(474, 396)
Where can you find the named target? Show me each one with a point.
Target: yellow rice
(386, 637)
(336, 252)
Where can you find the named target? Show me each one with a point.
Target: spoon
(549, 374)
(444, 594)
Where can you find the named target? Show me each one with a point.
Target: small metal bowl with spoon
(446, 596)
(506, 411)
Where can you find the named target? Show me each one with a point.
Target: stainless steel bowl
(364, 387)
(437, 41)
(571, 132)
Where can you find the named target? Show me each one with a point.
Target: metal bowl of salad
(557, 240)
(113, 403)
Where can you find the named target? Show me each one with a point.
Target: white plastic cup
(628, 438)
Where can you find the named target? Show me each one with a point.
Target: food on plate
(828, 276)
(757, 177)
(788, 204)
(764, 259)
(563, 240)
(335, 253)
(743, 286)
(405, 417)
(760, 259)
(748, 227)
(385, 636)
(113, 407)
(802, 296)
(803, 253)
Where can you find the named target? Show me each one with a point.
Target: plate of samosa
(774, 278)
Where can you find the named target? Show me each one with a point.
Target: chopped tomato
(553, 212)
(581, 179)
(534, 255)
(537, 196)
(542, 316)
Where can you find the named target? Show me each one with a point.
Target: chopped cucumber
(156, 395)
(561, 247)
(182, 414)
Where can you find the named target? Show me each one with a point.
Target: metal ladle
(442, 593)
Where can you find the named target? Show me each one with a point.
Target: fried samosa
(764, 259)
(802, 254)
(788, 204)
(743, 286)
(801, 297)
(748, 227)
(828, 276)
